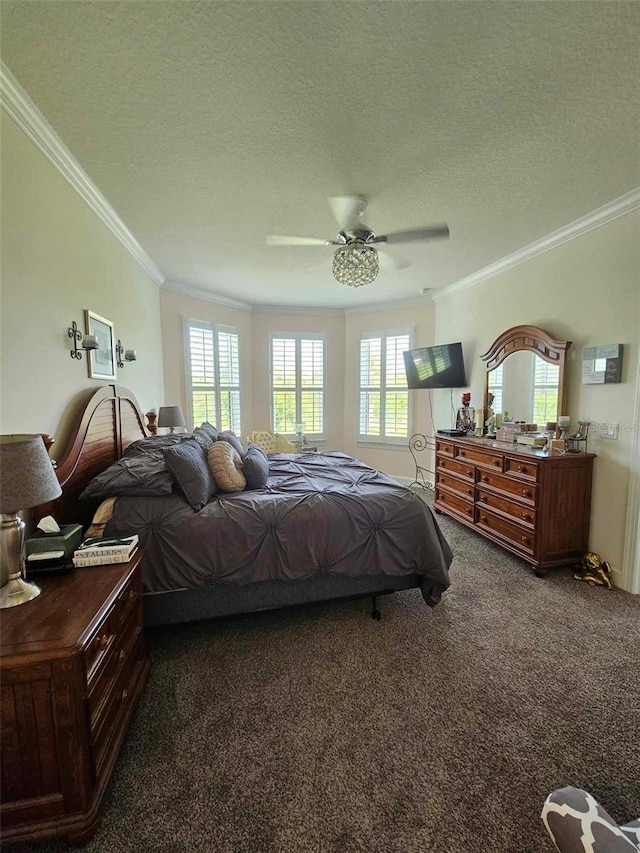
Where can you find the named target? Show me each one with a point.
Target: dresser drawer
(480, 457)
(97, 650)
(118, 699)
(525, 492)
(463, 469)
(521, 537)
(524, 515)
(462, 488)
(518, 468)
(444, 447)
(455, 503)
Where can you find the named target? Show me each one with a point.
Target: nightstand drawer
(114, 658)
(97, 650)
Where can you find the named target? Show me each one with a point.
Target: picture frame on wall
(102, 360)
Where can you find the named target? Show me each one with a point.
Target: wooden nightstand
(73, 664)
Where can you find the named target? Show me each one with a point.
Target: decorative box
(67, 540)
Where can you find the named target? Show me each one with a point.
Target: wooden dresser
(534, 504)
(73, 665)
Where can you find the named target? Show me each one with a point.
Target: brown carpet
(442, 730)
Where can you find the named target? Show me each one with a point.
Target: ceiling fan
(357, 260)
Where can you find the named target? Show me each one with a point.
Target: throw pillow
(154, 445)
(211, 430)
(226, 466)
(134, 475)
(233, 440)
(255, 467)
(203, 437)
(188, 466)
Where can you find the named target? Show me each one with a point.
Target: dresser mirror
(525, 375)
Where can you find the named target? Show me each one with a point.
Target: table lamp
(27, 479)
(171, 416)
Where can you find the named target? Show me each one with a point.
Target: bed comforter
(319, 513)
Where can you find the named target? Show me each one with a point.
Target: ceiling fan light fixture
(355, 264)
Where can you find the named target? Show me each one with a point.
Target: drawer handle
(496, 462)
(469, 473)
(469, 491)
(102, 642)
(125, 693)
(469, 511)
(462, 453)
(132, 594)
(521, 469)
(525, 539)
(121, 655)
(526, 493)
(526, 516)
(483, 519)
(484, 478)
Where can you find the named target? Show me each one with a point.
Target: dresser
(73, 665)
(534, 504)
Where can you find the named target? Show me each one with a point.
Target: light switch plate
(609, 431)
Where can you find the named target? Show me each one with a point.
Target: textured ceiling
(208, 125)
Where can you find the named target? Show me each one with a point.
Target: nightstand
(73, 664)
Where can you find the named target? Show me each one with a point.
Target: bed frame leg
(375, 613)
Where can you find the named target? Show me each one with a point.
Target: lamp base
(16, 591)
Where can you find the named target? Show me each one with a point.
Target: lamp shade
(171, 416)
(27, 477)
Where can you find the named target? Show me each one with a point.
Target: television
(440, 366)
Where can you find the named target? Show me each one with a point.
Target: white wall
(585, 291)
(59, 258)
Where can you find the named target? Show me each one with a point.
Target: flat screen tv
(440, 366)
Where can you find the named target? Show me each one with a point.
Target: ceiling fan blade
(283, 240)
(413, 236)
(347, 209)
(391, 263)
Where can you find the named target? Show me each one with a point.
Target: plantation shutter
(495, 385)
(545, 391)
(297, 384)
(213, 368)
(383, 411)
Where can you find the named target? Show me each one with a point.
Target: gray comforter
(319, 512)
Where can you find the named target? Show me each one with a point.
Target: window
(297, 384)
(213, 374)
(383, 414)
(495, 384)
(546, 377)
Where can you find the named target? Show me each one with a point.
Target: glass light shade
(355, 264)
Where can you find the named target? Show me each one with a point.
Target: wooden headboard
(105, 425)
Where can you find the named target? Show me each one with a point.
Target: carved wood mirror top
(520, 385)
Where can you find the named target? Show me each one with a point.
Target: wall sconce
(87, 342)
(129, 354)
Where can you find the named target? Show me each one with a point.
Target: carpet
(320, 730)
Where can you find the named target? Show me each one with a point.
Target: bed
(324, 527)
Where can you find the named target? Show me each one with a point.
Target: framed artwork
(102, 360)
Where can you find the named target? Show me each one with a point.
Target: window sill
(379, 445)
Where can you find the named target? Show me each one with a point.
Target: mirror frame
(535, 340)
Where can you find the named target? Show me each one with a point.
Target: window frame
(298, 337)
(217, 388)
(383, 439)
(544, 386)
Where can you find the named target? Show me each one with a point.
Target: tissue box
(67, 540)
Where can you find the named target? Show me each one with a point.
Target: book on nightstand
(80, 561)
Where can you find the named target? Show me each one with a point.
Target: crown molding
(205, 295)
(600, 216)
(297, 309)
(17, 104)
(395, 305)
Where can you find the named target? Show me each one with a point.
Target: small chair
(272, 442)
(577, 823)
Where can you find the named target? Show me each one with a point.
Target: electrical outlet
(609, 431)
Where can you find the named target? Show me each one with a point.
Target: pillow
(136, 475)
(203, 437)
(226, 466)
(187, 465)
(210, 429)
(233, 440)
(101, 516)
(154, 445)
(255, 467)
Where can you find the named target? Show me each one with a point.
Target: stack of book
(100, 552)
